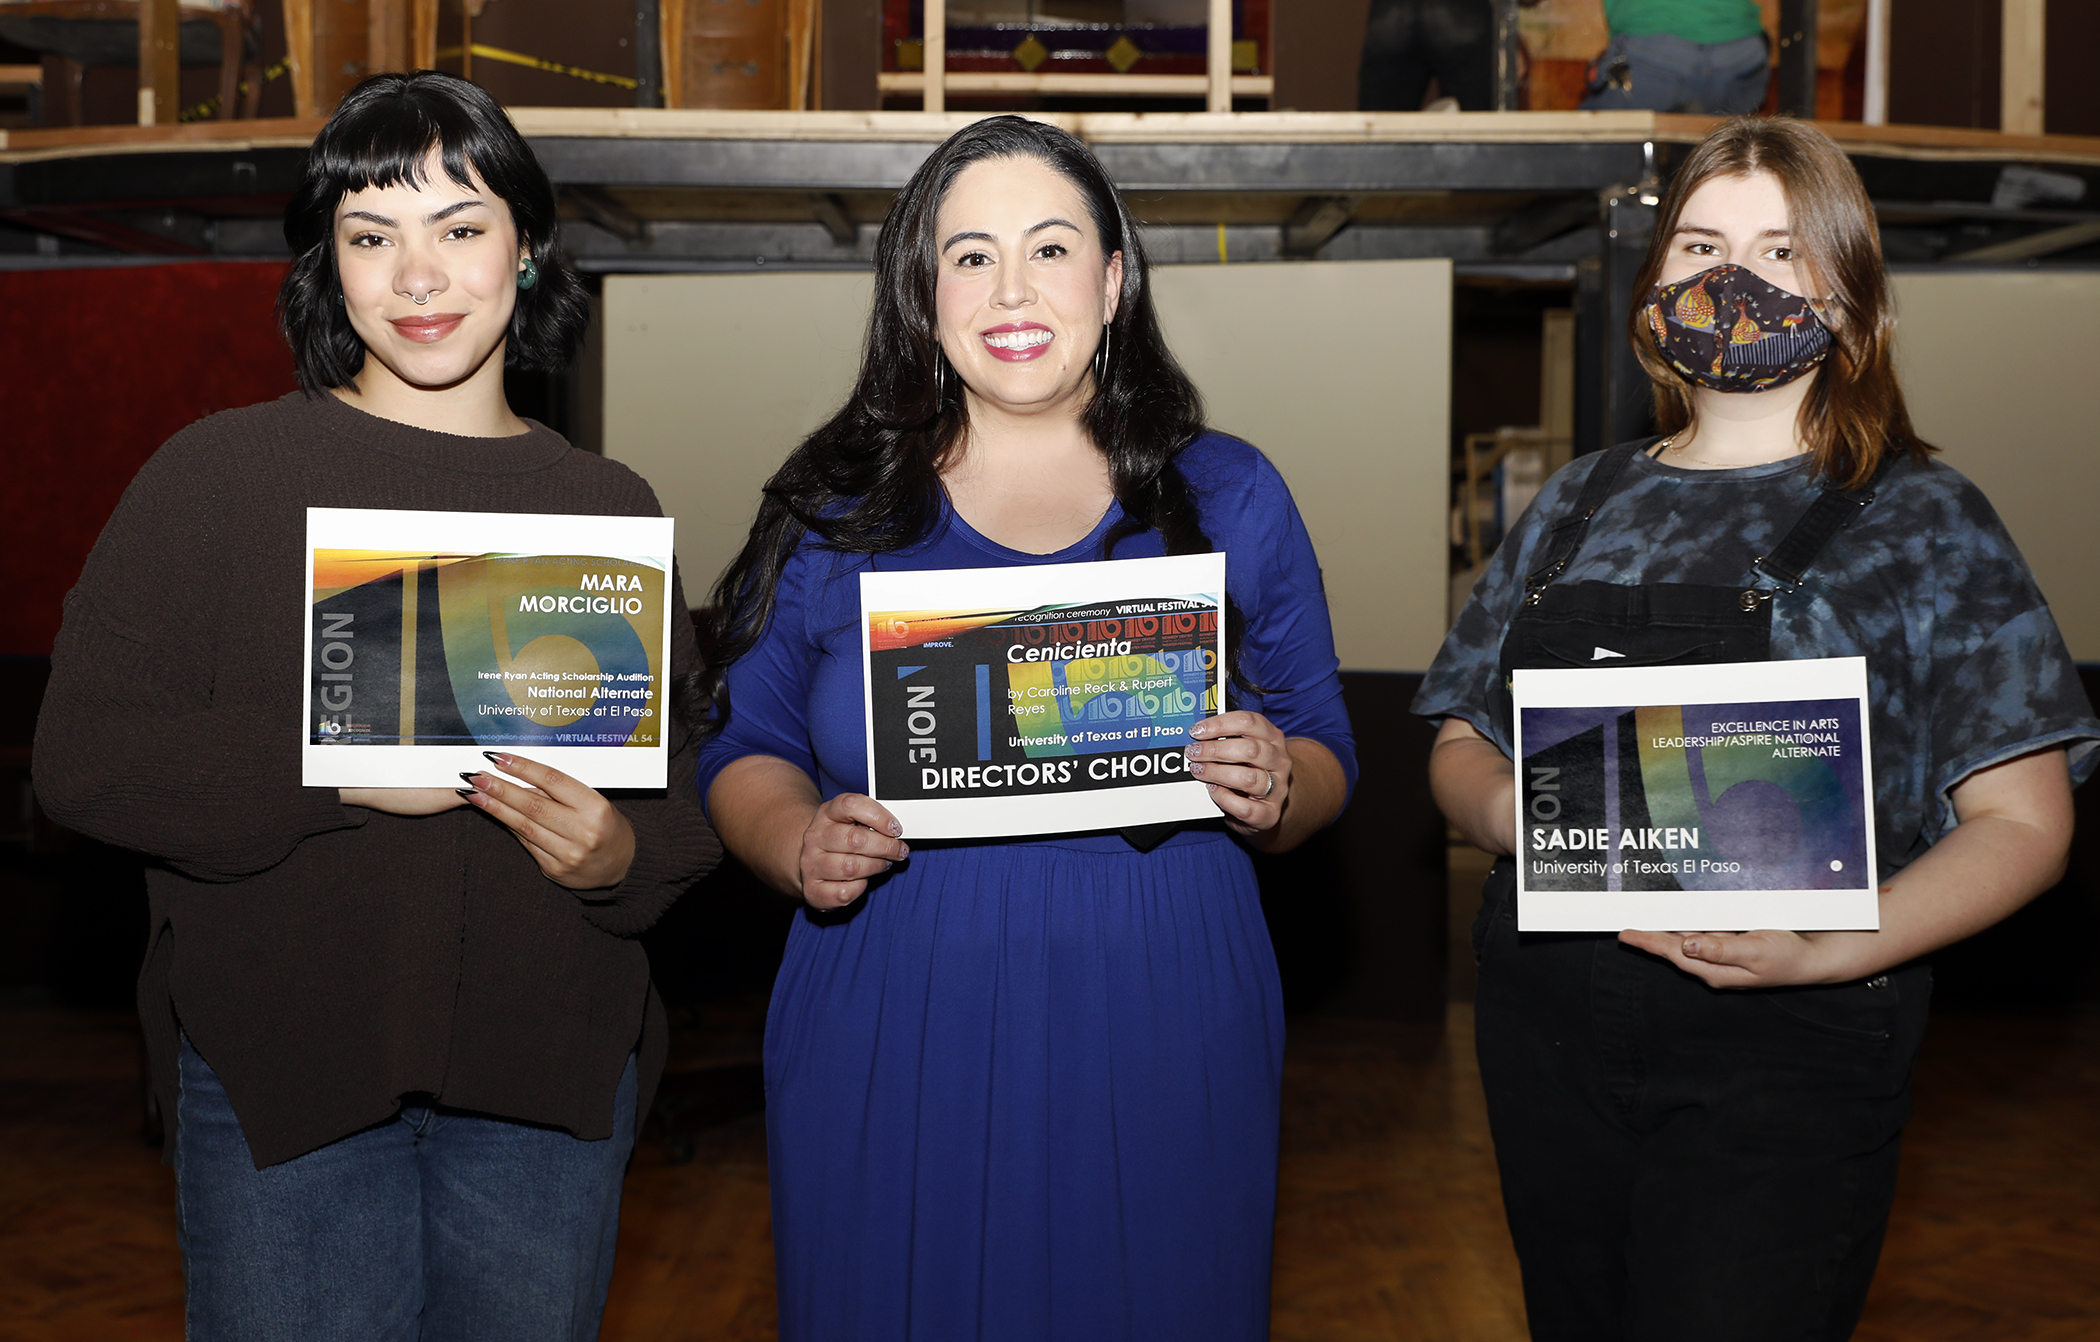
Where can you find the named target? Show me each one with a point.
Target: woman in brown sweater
(403, 1045)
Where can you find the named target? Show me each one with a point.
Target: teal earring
(339, 298)
(530, 275)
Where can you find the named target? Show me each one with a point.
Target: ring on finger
(1270, 788)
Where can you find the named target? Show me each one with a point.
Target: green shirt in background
(1702, 21)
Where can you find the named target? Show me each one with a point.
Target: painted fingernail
(895, 829)
(500, 761)
(464, 791)
(1691, 948)
(903, 851)
(1194, 752)
(469, 777)
(1196, 769)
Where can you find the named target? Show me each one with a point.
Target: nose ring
(420, 299)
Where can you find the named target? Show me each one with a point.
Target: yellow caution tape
(488, 53)
(209, 108)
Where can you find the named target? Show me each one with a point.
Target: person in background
(1697, 1131)
(1020, 1090)
(403, 1036)
(1409, 42)
(1681, 56)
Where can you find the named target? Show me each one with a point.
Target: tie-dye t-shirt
(1965, 666)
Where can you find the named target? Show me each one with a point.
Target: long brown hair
(1853, 415)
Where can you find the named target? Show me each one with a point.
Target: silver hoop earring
(940, 381)
(1101, 356)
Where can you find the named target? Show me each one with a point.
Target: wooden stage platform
(1548, 198)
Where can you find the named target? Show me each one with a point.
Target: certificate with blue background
(1695, 798)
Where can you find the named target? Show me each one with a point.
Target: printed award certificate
(431, 637)
(1041, 699)
(1695, 798)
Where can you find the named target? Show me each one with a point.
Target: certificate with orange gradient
(431, 637)
(1041, 699)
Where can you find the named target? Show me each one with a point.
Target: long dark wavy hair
(869, 480)
(1853, 417)
(382, 134)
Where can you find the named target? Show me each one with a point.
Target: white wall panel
(1340, 372)
(1996, 371)
(710, 380)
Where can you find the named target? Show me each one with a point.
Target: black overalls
(1680, 1162)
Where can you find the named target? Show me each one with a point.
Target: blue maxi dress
(1028, 1090)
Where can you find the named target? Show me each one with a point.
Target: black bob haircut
(382, 134)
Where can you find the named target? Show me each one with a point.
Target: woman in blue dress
(1024, 1089)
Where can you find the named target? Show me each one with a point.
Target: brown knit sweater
(327, 960)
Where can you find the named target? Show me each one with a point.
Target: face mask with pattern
(1727, 330)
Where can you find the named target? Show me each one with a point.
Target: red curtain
(98, 367)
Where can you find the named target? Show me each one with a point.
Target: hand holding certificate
(578, 838)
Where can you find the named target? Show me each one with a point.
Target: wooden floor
(1388, 1224)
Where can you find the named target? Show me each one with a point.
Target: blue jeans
(435, 1224)
(1668, 74)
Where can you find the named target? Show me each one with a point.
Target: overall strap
(1566, 535)
(1832, 511)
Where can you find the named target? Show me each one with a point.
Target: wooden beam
(1318, 219)
(389, 43)
(1543, 220)
(936, 47)
(602, 209)
(671, 50)
(2021, 65)
(160, 62)
(815, 57)
(1923, 144)
(1149, 127)
(1218, 69)
(1076, 85)
(801, 46)
(2048, 242)
(299, 55)
(232, 56)
(423, 34)
(830, 210)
